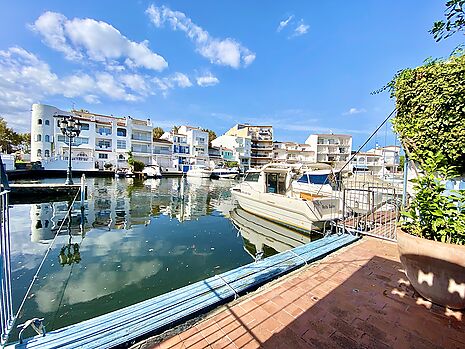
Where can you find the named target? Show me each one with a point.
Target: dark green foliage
(455, 20)
(10, 141)
(157, 132)
(430, 103)
(138, 165)
(436, 214)
(211, 135)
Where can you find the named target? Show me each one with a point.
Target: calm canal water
(140, 239)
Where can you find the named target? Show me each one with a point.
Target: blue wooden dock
(164, 311)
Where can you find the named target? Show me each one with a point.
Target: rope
(36, 275)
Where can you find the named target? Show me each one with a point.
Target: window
(47, 122)
(39, 138)
(103, 156)
(47, 153)
(39, 152)
(47, 138)
(104, 144)
(102, 130)
(120, 144)
(121, 132)
(39, 121)
(252, 177)
(84, 127)
(121, 157)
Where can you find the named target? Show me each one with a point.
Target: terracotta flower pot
(436, 270)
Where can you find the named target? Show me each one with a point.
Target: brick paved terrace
(357, 297)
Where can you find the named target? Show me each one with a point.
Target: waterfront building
(104, 140)
(291, 152)
(261, 138)
(214, 154)
(162, 153)
(190, 146)
(367, 162)
(334, 149)
(197, 139)
(240, 146)
(390, 156)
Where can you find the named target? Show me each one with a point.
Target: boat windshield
(320, 179)
(252, 177)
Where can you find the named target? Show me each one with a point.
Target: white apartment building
(240, 147)
(197, 139)
(103, 139)
(367, 162)
(261, 142)
(390, 156)
(190, 147)
(331, 148)
(162, 153)
(291, 152)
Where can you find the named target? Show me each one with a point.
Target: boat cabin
(322, 177)
(270, 179)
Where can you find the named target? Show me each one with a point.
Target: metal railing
(368, 206)
(6, 311)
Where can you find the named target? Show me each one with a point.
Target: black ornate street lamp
(70, 127)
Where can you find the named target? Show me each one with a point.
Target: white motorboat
(151, 171)
(268, 193)
(199, 171)
(225, 173)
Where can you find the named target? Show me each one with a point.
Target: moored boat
(268, 193)
(224, 173)
(152, 171)
(199, 171)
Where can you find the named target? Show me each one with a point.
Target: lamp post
(70, 127)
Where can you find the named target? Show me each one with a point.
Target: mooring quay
(165, 311)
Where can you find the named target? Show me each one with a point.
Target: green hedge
(430, 103)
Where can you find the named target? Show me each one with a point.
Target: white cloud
(98, 40)
(301, 29)
(181, 80)
(227, 51)
(207, 80)
(170, 82)
(25, 79)
(353, 111)
(283, 24)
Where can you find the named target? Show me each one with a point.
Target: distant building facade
(291, 152)
(333, 149)
(103, 139)
(190, 146)
(238, 146)
(261, 138)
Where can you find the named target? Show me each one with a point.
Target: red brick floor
(358, 297)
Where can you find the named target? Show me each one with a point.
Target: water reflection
(263, 238)
(138, 239)
(134, 240)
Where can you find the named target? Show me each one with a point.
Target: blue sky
(301, 66)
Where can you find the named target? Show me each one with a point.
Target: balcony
(103, 147)
(142, 138)
(143, 150)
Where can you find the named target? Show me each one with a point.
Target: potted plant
(430, 103)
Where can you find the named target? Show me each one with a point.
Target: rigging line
(369, 138)
(36, 275)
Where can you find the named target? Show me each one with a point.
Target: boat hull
(297, 213)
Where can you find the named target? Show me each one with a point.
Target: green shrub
(430, 103)
(435, 213)
(138, 165)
